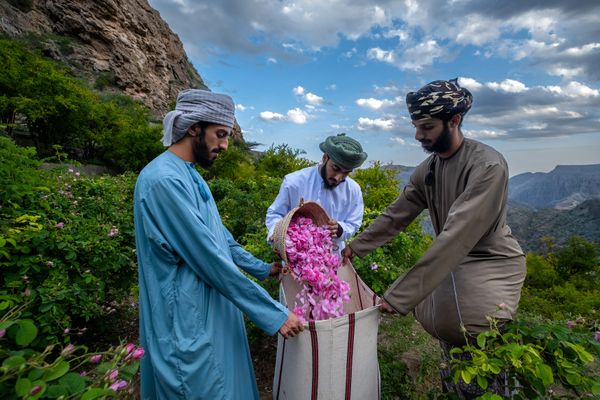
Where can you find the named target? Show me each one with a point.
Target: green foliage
(59, 372)
(66, 243)
(278, 161)
(104, 80)
(563, 282)
(576, 257)
(537, 356)
(59, 109)
(380, 187)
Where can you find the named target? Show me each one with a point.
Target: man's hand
(347, 255)
(292, 326)
(276, 269)
(335, 229)
(386, 308)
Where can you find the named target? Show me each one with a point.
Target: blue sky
(300, 71)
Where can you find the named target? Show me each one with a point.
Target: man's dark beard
(201, 152)
(443, 143)
(323, 172)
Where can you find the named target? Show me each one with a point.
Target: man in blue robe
(192, 292)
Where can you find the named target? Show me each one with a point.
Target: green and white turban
(439, 99)
(195, 105)
(344, 151)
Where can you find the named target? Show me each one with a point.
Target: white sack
(335, 358)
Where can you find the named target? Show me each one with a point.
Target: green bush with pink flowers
(66, 243)
(61, 371)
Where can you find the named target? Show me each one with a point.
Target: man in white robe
(327, 184)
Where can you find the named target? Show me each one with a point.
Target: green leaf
(55, 391)
(545, 372)
(57, 371)
(573, 379)
(13, 362)
(596, 388)
(35, 374)
(129, 370)
(482, 382)
(73, 382)
(6, 324)
(26, 333)
(96, 392)
(466, 376)
(23, 386)
(481, 338)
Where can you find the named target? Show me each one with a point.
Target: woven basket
(311, 210)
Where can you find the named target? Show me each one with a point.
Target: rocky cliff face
(563, 188)
(124, 42)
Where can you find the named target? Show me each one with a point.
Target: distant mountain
(402, 172)
(558, 204)
(563, 188)
(529, 226)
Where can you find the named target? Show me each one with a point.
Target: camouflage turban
(439, 99)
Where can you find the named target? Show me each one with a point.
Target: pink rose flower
(118, 385)
(138, 353)
(95, 359)
(60, 225)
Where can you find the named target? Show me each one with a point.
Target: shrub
(66, 244)
(57, 371)
(538, 356)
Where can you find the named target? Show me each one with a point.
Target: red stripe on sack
(349, 355)
(315, 360)
(280, 369)
(359, 291)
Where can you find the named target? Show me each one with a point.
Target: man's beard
(201, 152)
(443, 143)
(323, 172)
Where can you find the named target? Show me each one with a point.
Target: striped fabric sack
(335, 358)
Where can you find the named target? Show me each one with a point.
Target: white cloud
(298, 90)
(420, 56)
(508, 85)
(583, 50)
(412, 59)
(381, 55)
(477, 30)
(483, 134)
(576, 89)
(401, 34)
(271, 116)
(376, 104)
(383, 124)
(397, 140)
(297, 116)
(469, 83)
(271, 60)
(313, 99)
(241, 107)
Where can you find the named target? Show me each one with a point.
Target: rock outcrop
(124, 42)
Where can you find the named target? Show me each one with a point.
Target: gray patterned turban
(194, 105)
(439, 99)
